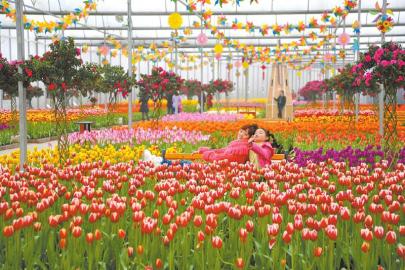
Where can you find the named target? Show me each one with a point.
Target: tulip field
(335, 206)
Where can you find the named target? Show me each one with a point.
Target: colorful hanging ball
(245, 65)
(238, 64)
(175, 20)
(218, 56)
(202, 39)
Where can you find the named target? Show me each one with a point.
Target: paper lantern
(218, 56)
(328, 57)
(238, 64)
(175, 20)
(218, 49)
(103, 50)
(202, 39)
(344, 39)
(85, 48)
(245, 65)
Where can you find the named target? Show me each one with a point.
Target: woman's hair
(274, 142)
(251, 129)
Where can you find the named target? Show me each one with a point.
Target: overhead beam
(185, 13)
(207, 46)
(155, 28)
(230, 37)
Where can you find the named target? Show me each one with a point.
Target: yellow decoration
(245, 65)
(218, 49)
(175, 20)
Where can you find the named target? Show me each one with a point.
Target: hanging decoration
(343, 39)
(356, 27)
(202, 39)
(263, 67)
(356, 45)
(175, 21)
(50, 26)
(103, 50)
(218, 49)
(245, 65)
(385, 23)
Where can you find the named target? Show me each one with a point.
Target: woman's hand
(251, 140)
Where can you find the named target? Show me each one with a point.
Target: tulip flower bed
(202, 117)
(354, 157)
(210, 216)
(323, 112)
(305, 135)
(138, 136)
(48, 115)
(82, 153)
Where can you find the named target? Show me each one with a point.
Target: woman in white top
(176, 102)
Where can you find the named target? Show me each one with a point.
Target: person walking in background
(281, 101)
(144, 107)
(169, 98)
(176, 102)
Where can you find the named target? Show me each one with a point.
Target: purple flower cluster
(370, 155)
(3, 126)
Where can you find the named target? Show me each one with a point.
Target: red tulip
(8, 231)
(216, 242)
(331, 232)
(97, 234)
(139, 249)
(200, 236)
(198, 221)
(249, 226)
(379, 232)
(89, 237)
(365, 247)
(130, 251)
(366, 234)
(121, 233)
(317, 251)
(62, 233)
(401, 251)
(239, 263)
(243, 234)
(286, 237)
(391, 237)
(273, 229)
(76, 231)
(62, 243)
(159, 263)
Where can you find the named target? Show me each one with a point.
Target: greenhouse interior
(202, 134)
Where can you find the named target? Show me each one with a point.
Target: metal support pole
(247, 84)
(202, 71)
(130, 63)
(176, 55)
(382, 92)
(357, 97)
(21, 91)
(36, 53)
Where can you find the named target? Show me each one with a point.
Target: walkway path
(31, 146)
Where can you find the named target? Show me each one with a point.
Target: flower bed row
(48, 115)
(212, 216)
(138, 136)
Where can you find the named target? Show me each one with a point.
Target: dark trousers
(145, 116)
(169, 108)
(280, 111)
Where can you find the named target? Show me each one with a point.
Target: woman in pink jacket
(260, 144)
(236, 151)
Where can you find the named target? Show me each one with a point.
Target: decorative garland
(385, 22)
(51, 26)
